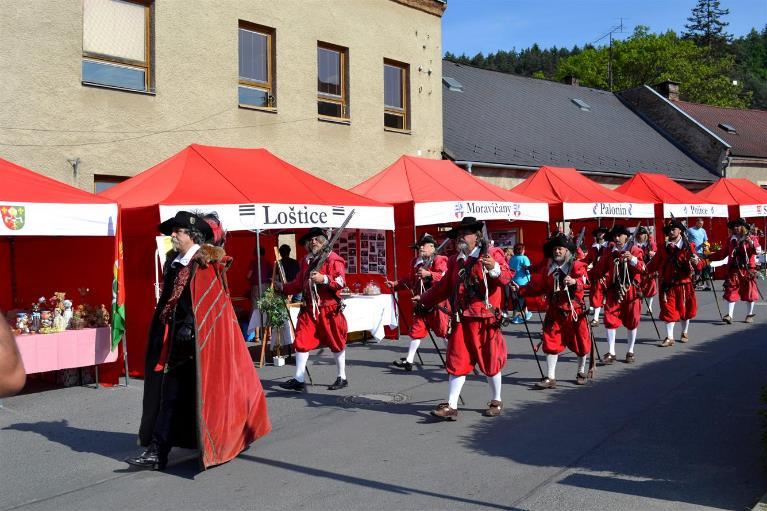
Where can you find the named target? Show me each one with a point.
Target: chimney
(668, 89)
(572, 80)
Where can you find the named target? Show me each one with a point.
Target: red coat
(676, 270)
(649, 285)
(740, 283)
(437, 270)
(335, 269)
(620, 311)
(470, 302)
(437, 320)
(565, 323)
(476, 338)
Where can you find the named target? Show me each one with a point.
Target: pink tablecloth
(64, 350)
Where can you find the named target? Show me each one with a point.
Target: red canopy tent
(571, 195)
(251, 190)
(54, 238)
(426, 192)
(744, 198)
(670, 198)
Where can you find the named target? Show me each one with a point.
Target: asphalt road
(679, 429)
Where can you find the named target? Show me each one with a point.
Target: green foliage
(706, 26)
(646, 58)
(705, 60)
(272, 304)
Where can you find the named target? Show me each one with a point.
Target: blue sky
(472, 26)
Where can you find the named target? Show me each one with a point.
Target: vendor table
(369, 313)
(66, 350)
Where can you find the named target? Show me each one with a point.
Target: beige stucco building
(185, 58)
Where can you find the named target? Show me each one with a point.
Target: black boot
(339, 384)
(153, 458)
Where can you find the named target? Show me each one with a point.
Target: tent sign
(62, 219)
(753, 210)
(241, 217)
(696, 210)
(430, 213)
(607, 210)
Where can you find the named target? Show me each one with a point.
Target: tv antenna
(618, 29)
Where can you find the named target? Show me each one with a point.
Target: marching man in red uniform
(593, 256)
(649, 285)
(565, 326)
(676, 263)
(320, 321)
(740, 283)
(621, 269)
(426, 269)
(474, 284)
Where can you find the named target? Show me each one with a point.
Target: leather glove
(185, 333)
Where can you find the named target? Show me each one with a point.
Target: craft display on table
(57, 314)
(372, 289)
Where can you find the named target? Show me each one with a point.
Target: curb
(761, 505)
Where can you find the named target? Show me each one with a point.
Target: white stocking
(495, 386)
(551, 366)
(597, 310)
(582, 364)
(456, 383)
(611, 341)
(632, 339)
(649, 302)
(686, 325)
(751, 308)
(414, 344)
(301, 359)
(730, 308)
(670, 330)
(341, 363)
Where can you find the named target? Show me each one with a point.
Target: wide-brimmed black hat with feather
(558, 240)
(468, 223)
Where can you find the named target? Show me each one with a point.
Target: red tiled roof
(750, 138)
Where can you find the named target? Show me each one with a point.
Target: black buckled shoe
(293, 384)
(153, 458)
(403, 364)
(339, 384)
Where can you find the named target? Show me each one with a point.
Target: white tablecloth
(363, 313)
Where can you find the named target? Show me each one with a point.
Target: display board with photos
(346, 247)
(372, 251)
(506, 239)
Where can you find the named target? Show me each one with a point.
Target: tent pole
(12, 257)
(125, 357)
(394, 251)
(258, 261)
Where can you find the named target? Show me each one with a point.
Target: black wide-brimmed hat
(468, 223)
(558, 240)
(673, 224)
(603, 230)
(311, 233)
(619, 229)
(642, 230)
(732, 224)
(186, 220)
(426, 238)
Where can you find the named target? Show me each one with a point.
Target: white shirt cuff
(495, 272)
(633, 261)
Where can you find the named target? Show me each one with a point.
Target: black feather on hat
(732, 224)
(558, 240)
(598, 230)
(618, 230)
(186, 220)
(468, 223)
(673, 224)
(311, 233)
(426, 238)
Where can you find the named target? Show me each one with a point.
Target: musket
(318, 261)
(581, 236)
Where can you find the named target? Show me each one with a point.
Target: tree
(706, 26)
(646, 58)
